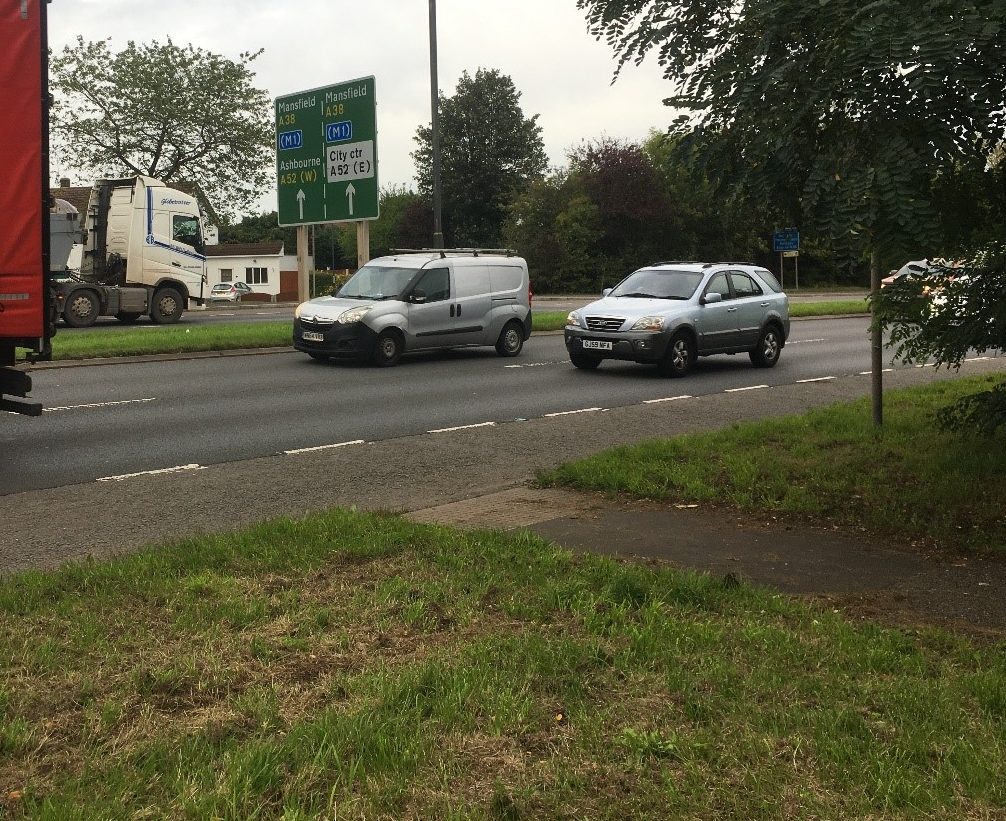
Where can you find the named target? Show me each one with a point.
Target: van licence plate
(597, 345)
(313, 336)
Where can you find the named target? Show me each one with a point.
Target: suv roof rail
(507, 252)
(677, 262)
(711, 264)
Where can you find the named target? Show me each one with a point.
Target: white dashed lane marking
(816, 379)
(99, 404)
(748, 388)
(463, 427)
(570, 413)
(162, 471)
(666, 399)
(323, 447)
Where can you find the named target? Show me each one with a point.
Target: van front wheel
(511, 341)
(387, 349)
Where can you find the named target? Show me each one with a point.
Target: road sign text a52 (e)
(326, 154)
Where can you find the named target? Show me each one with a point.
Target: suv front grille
(604, 323)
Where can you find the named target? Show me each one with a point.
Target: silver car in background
(670, 313)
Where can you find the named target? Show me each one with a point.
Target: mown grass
(154, 339)
(909, 481)
(832, 308)
(358, 666)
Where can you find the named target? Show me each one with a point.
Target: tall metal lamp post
(438, 227)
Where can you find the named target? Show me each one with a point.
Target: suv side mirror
(606, 291)
(417, 297)
(711, 297)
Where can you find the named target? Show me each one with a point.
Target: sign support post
(303, 285)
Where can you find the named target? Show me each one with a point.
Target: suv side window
(719, 285)
(436, 284)
(744, 285)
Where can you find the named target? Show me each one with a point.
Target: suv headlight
(352, 315)
(573, 318)
(648, 323)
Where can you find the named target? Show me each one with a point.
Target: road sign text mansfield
(309, 102)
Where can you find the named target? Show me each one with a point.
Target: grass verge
(358, 666)
(908, 481)
(834, 308)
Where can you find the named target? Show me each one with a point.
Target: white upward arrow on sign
(350, 192)
(301, 196)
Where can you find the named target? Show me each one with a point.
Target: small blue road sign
(788, 239)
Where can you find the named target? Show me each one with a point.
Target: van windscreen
(377, 282)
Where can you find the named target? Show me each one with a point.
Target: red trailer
(25, 311)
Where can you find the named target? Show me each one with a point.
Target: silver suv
(671, 313)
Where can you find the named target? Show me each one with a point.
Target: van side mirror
(711, 297)
(417, 297)
(606, 291)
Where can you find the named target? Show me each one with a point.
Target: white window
(257, 276)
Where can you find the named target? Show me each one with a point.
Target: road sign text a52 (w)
(326, 154)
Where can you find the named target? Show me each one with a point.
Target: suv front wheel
(680, 356)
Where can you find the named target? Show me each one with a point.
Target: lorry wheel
(82, 309)
(127, 317)
(166, 307)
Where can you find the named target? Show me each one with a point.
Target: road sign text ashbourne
(326, 154)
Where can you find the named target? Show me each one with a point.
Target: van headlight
(300, 310)
(573, 318)
(648, 323)
(352, 315)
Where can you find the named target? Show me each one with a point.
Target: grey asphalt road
(113, 420)
(44, 528)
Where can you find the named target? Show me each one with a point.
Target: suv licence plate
(313, 336)
(597, 345)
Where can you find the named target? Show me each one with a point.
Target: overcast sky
(563, 74)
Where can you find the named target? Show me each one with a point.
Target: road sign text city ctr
(326, 154)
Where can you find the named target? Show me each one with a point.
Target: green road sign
(326, 154)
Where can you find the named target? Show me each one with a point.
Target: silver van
(420, 301)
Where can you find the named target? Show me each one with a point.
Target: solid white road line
(817, 379)
(666, 399)
(463, 427)
(569, 413)
(748, 388)
(322, 447)
(99, 404)
(176, 469)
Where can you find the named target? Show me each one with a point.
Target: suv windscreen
(377, 282)
(659, 284)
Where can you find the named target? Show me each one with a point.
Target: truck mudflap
(15, 385)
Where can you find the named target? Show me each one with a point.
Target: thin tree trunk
(876, 341)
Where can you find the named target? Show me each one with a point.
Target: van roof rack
(506, 252)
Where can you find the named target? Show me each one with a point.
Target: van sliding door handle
(459, 310)
(452, 310)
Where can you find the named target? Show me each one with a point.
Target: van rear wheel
(511, 340)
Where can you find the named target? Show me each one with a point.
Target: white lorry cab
(142, 253)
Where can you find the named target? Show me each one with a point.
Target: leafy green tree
(180, 114)
(263, 227)
(842, 113)
(944, 315)
(489, 150)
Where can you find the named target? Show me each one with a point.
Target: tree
(181, 114)
(489, 151)
(946, 314)
(841, 112)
